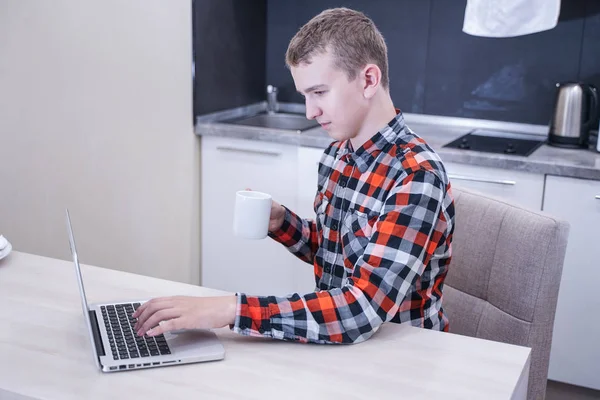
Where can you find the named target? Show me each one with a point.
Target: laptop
(116, 346)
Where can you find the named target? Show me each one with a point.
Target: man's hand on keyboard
(165, 314)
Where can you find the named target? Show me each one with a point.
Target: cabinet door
(308, 175)
(256, 267)
(575, 355)
(518, 187)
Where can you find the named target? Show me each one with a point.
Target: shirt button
(343, 182)
(334, 226)
(327, 269)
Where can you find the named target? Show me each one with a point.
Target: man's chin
(335, 135)
(338, 136)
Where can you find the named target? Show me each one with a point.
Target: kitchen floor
(562, 391)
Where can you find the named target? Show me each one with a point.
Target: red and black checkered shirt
(380, 245)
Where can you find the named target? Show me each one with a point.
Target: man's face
(337, 104)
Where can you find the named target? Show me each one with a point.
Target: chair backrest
(503, 280)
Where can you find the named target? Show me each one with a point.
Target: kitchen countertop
(436, 130)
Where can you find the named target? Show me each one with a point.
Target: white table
(45, 352)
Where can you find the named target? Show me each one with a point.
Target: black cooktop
(494, 141)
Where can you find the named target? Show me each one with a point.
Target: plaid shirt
(380, 245)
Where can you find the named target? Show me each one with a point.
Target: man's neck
(381, 112)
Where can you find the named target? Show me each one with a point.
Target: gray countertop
(436, 130)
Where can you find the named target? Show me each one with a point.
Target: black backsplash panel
(437, 69)
(282, 24)
(230, 39)
(590, 49)
(511, 79)
(407, 53)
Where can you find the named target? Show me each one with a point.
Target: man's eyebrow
(313, 88)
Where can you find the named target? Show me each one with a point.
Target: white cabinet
(575, 355)
(523, 188)
(259, 267)
(290, 173)
(308, 175)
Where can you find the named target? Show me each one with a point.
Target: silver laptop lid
(84, 303)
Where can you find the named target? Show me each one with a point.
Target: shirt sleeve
(298, 235)
(403, 240)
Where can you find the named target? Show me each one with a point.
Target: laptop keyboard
(124, 342)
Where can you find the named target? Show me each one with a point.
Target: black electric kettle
(575, 113)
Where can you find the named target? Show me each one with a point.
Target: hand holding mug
(277, 216)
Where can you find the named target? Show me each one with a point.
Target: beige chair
(503, 279)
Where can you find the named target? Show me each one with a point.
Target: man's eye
(319, 92)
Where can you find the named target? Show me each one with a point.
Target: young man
(381, 242)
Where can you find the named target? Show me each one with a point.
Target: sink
(280, 120)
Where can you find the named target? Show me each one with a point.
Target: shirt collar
(366, 154)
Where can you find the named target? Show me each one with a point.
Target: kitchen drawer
(523, 188)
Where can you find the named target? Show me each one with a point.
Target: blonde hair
(350, 35)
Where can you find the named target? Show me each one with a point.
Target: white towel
(508, 18)
(3, 242)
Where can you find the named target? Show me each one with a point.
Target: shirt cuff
(285, 233)
(253, 316)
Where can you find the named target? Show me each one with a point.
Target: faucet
(272, 105)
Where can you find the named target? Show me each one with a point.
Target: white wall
(96, 116)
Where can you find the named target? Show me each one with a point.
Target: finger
(141, 308)
(145, 304)
(162, 302)
(136, 314)
(154, 319)
(151, 307)
(166, 326)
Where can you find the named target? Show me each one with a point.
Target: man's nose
(312, 110)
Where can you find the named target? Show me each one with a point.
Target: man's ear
(371, 77)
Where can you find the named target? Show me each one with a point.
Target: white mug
(252, 214)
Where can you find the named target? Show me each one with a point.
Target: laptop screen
(84, 303)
